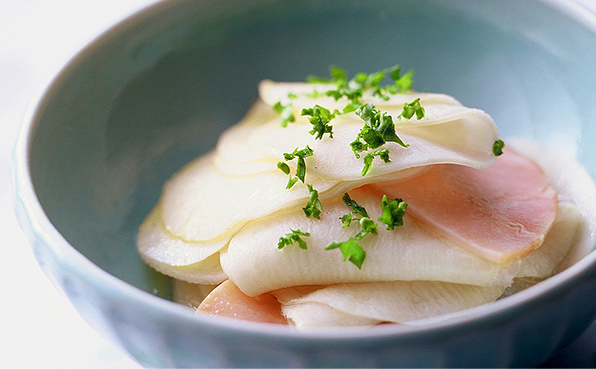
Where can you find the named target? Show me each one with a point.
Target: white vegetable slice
(231, 146)
(201, 204)
(399, 301)
(207, 271)
(573, 184)
(272, 92)
(451, 142)
(313, 314)
(247, 147)
(412, 252)
(157, 243)
(447, 134)
(407, 301)
(191, 261)
(543, 262)
(546, 261)
(257, 166)
(220, 192)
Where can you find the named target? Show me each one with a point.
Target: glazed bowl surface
(155, 91)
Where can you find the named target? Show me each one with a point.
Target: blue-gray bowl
(154, 92)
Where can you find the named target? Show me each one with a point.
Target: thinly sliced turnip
(411, 252)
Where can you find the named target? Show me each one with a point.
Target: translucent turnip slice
(196, 262)
(398, 302)
(304, 96)
(411, 252)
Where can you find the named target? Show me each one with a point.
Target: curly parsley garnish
(393, 212)
(320, 118)
(350, 250)
(354, 88)
(368, 159)
(286, 113)
(498, 146)
(356, 208)
(379, 127)
(295, 236)
(392, 216)
(409, 109)
(313, 207)
(300, 165)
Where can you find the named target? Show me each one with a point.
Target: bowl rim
(79, 265)
(575, 10)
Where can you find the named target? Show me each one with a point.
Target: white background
(38, 326)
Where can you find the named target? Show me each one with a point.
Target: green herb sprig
(368, 159)
(392, 212)
(320, 118)
(300, 165)
(356, 209)
(379, 127)
(392, 215)
(350, 250)
(286, 113)
(353, 89)
(409, 109)
(313, 207)
(295, 236)
(498, 146)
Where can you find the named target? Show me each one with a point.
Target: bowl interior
(156, 91)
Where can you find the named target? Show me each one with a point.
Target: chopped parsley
(393, 212)
(409, 109)
(294, 237)
(355, 88)
(392, 215)
(350, 250)
(356, 208)
(313, 207)
(286, 113)
(320, 118)
(379, 127)
(368, 159)
(498, 146)
(283, 167)
(300, 165)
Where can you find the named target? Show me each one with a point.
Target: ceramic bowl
(156, 90)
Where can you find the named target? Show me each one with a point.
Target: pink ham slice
(227, 300)
(501, 213)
